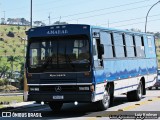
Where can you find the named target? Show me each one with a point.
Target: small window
(139, 46)
(119, 45)
(150, 43)
(106, 40)
(130, 45)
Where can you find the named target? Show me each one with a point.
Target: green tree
(6, 82)
(12, 28)
(0, 58)
(18, 28)
(3, 70)
(13, 41)
(1, 82)
(5, 29)
(12, 59)
(21, 79)
(14, 50)
(5, 52)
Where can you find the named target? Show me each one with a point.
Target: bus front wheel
(105, 102)
(55, 106)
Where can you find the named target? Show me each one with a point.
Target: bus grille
(51, 81)
(63, 89)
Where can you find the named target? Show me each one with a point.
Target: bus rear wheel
(136, 95)
(105, 102)
(55, 106)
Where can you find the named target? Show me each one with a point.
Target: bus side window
(119, 45)
(139, 46)
(107, 41)
(130, 45)
(150, 44)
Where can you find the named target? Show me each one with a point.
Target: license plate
(58, 97)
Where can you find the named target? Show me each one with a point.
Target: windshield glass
(59, 54)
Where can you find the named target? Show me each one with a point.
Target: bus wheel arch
(107, 100)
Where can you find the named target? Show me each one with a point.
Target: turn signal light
(92, 88)
(86, 73)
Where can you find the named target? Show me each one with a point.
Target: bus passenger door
(98, 69)
(98, 50)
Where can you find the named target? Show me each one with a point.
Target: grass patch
(10, 99)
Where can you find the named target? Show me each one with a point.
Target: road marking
(140, 104)
(108, 113)
(92, 118)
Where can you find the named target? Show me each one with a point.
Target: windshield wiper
(46, 62)
(72, 65)
(81, 61)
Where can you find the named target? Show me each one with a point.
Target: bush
(10, 34)
(6, 81)
(1, 82)
(1, 39)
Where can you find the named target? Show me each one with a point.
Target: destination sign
(57, 32)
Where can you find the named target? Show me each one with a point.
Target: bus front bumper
(63, 97)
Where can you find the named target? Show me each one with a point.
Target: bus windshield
(59, 54)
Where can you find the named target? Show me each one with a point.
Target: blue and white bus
(83, 63)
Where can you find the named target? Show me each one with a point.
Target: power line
(129, 20)
(64, 5)
(98, 10)
(108, 13)
(137, 23)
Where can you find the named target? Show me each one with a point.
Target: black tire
(156, 88)
(150, 88)
(136, 95)
(105, 102)
(55, 106)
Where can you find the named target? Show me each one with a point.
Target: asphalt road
(149, 103)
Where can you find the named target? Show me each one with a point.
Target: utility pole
(49, 17)
(148, 14)
(31, 15)
(108, 23)
(59, 19)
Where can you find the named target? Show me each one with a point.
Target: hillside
(12, 44)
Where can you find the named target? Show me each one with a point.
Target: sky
(121, 14)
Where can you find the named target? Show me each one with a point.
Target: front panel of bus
(59, 64)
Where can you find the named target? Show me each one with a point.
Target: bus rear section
(59, 65)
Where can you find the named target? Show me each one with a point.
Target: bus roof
(74, 28)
